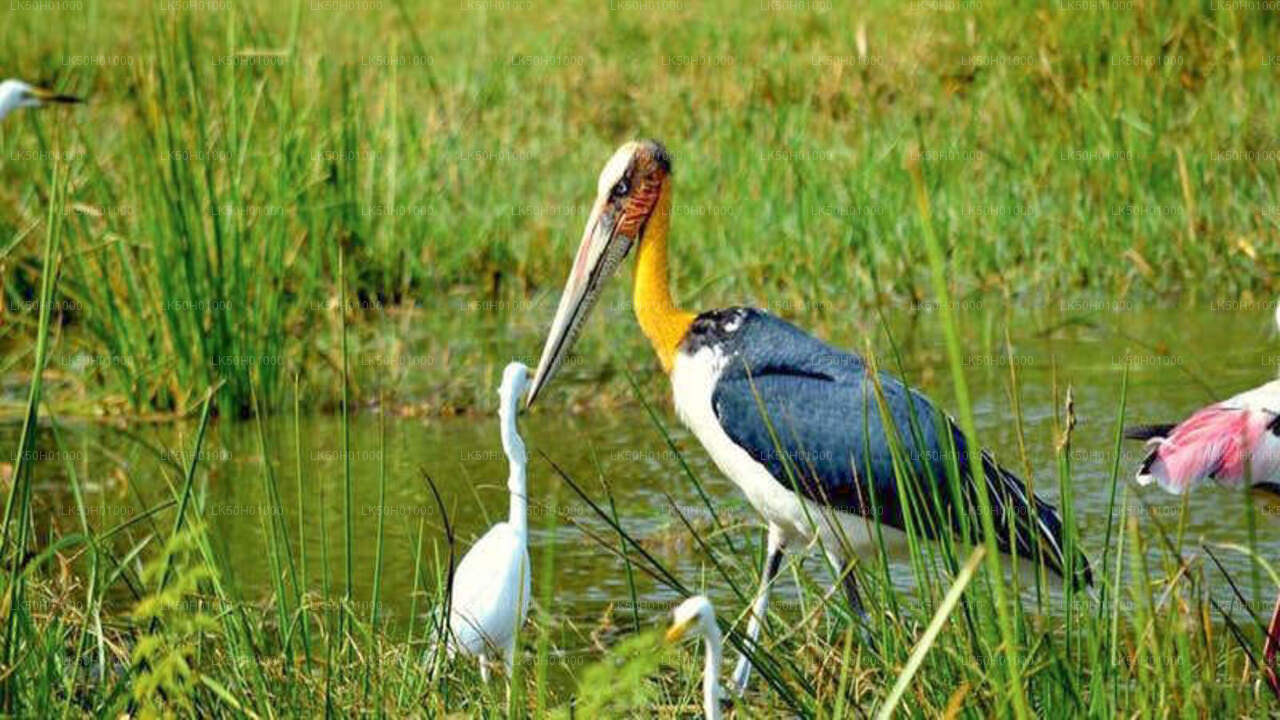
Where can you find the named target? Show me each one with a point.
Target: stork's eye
(622, 188)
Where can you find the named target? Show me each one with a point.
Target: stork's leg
(849, 581)
(772, 563)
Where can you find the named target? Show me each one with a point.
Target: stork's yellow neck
(661, 321)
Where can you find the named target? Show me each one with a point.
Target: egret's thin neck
(711, 674)
(517, 459)
(519, 501)
(661, 321)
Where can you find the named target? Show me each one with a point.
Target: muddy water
(1178, 360)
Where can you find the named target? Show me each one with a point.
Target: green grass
(227, 155)
(1156, 642)
(256, 199)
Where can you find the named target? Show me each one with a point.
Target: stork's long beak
(599, 254)
(45, 95)
(678, 631)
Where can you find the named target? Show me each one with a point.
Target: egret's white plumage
(696, 617)
(15, 94)
(491, 586)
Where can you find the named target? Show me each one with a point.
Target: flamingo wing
(1232, 442)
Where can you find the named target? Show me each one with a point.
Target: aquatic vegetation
(1074, 158)
(258, 213)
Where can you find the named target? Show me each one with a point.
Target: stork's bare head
(627, 194)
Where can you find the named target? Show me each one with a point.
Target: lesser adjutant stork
(798, 425)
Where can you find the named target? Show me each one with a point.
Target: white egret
(491, 585)
(696, 617)
(16, 94)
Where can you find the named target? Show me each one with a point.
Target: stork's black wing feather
(813, 415)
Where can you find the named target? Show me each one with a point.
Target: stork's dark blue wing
(815, 418)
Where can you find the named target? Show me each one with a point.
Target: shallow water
(1178, 361)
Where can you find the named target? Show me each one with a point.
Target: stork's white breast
(693, 382)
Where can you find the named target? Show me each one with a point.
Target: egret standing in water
(490, 596)
(1234, 443)
(16, 94)
(696, 617)
(802, 428)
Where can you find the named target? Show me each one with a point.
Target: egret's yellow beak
(678, 631)
(45, 95)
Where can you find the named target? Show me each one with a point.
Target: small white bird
(16, 94)
(491, 585)
(696, 617)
